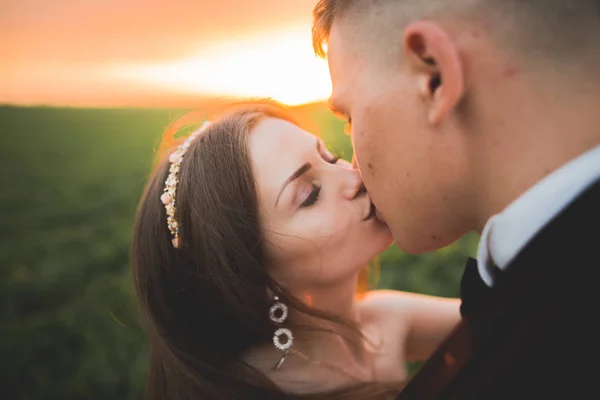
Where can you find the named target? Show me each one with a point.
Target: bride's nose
(353, 185)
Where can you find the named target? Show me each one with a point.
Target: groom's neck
(536, 134)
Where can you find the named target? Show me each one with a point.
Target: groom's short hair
(561, 30)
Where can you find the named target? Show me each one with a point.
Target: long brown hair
(206, 303)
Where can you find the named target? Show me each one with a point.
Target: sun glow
(279, 65)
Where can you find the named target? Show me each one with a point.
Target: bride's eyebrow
(297, 174)
(304, 168)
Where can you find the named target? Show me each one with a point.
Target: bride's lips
(372, 212)
(379, 217)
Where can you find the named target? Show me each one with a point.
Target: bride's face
(318, 220)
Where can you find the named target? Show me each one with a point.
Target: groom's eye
(331, 158)
(326, 154)
(348, 127)
(334, 160)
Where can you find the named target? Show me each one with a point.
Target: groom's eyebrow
(332, 106)
(336, 111)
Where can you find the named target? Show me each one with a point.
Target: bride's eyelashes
(312, 197)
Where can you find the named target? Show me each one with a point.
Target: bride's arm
(430, 319)
(427, 320)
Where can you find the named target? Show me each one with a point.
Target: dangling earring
(275, 309)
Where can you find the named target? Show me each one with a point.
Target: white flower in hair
(168, 196)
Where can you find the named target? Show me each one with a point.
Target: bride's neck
(338, 300)
(320, 340)
(325, 338)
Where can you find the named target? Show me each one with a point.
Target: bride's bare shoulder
(387, 332)
(382, 304)
(383, 309)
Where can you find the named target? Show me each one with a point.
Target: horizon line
(220, 101)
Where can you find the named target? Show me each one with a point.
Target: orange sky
(134, 52)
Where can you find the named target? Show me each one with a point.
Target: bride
(248, 245)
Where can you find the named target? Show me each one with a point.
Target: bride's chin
(389, 238)
(389, 243)
(386, 241)
(387, 233)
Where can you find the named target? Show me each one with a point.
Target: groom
(485, 115)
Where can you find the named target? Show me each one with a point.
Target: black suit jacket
(536, 333)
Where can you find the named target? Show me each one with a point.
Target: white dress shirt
(506, 234)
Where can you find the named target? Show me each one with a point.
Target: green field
(71, 179)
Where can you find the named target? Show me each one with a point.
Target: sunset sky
(157, 53)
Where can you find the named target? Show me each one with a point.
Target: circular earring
(278, 313)
(278, 307)
(277, 339)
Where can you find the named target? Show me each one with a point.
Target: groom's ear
(437, 67)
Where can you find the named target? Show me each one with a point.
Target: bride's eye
(312, 197)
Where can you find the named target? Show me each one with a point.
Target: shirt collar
(505, 234)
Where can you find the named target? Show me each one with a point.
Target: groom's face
(408, 169)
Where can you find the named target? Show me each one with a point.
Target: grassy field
(71, 179)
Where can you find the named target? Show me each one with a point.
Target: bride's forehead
(277, 149)
(276, 136)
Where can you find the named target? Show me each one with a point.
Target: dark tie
(475, 294)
